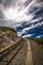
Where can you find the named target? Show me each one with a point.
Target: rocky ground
(37, 52)
(20, 58)
(7, 37)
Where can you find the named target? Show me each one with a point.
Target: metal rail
(15, 48)
(15, 54)
(9, 49)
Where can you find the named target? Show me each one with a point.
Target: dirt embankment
(8, 36)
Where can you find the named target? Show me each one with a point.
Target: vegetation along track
(7, 55)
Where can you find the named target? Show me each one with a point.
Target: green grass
(7, 29)
(38, 40)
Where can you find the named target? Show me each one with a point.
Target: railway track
(7, 55)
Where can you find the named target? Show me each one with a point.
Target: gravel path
(29, 55)
(37, 53)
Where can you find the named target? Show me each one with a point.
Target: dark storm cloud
(5, 23)
(39, 13)
(6, 3)
(40, 0)
(1, 15)
(0, 1)
(9, 3)
(27, 2)
(37, 9)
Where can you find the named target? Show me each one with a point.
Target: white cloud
(25, 30)
(39, 36)
(17, 16)
(36, 20)
(28, 35)
(17, 13)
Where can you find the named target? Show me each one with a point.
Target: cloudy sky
(25, 16)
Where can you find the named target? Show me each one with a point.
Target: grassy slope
(7, 29)
(38, 40)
